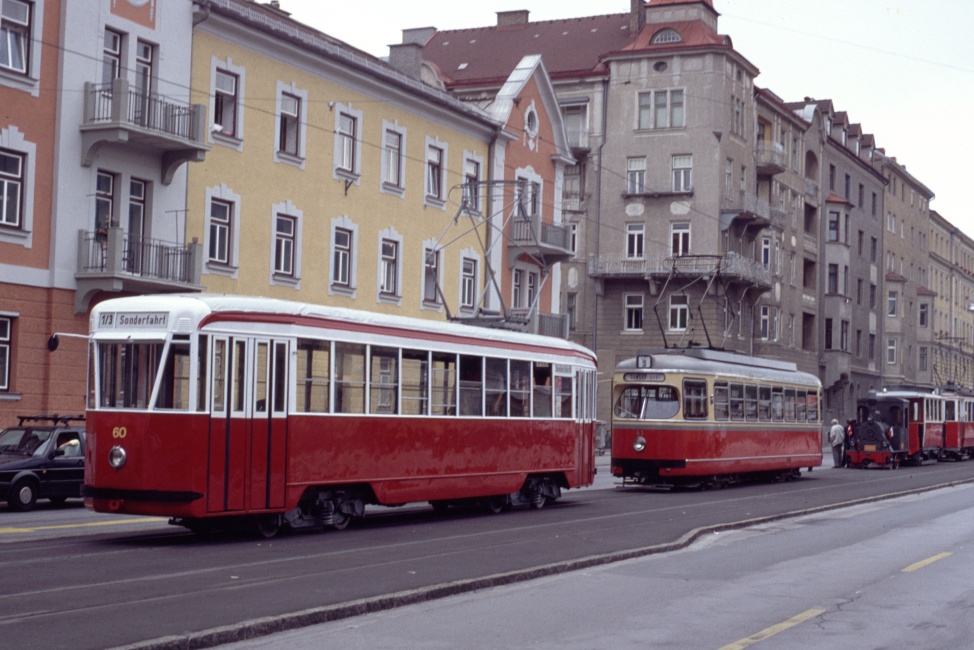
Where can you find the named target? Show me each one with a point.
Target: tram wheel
(340, 520)
(495, 504)
(268, 525)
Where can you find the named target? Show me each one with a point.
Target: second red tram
(709, 417)
(899, 425)
(212, 408)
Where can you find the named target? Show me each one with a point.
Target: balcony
(744, 209)
(118, 113)
(770, 159)
(811, 191)
(114, 262)
(731, 266)
(547, 242)
(521, 320)
(578, 140)
(573, 202)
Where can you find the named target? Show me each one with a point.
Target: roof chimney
(515, 17)
(407, 58)
(637, 16)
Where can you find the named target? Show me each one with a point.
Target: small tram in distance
(704, 418)
(221, 411)
(908, 424)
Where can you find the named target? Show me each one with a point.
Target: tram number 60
(119, 432)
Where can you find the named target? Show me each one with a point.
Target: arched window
(667, 35)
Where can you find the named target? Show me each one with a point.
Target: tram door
(248, 424)
(268, 434)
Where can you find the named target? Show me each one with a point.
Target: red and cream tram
(958, 424)
(214, 410)
(708, 417)
(897, 425)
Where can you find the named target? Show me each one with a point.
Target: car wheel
(23, 495)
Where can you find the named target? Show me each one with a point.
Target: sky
(903, 69)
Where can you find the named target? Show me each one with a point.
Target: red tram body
(208, 408)
(707, 417)
(903, 424)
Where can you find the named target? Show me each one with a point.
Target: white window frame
(682, 167)
(12, 140)
(298, 118)
(429, 283)
(636, 175)
(635, 241)
(12, 185)
(348, 145)
(29, 80)
(435, 174)
(680, 238)
(473, 172)
(283, 277)
(338, 286)
(654, 109)
(633, 308)
(225, 195)
(469, 280)
(891, 352)
(392, 165)
(384, 292)
(233, 136)
(6, 345)
(679, 313)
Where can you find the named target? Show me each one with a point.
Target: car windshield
(23, 440)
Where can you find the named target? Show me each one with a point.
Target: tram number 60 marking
(119, 432)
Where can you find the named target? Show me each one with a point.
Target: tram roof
(189, 311)
(731, 364)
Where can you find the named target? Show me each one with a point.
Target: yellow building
(333, 178)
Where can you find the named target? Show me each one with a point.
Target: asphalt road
(160, 587)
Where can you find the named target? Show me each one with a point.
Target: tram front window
(647, 403)
(126, 373)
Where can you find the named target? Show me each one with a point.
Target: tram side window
(542, 390)
(777, 404)
(443, 384)
(520, 389)
(219, 376)
(174, 386)
(800, 398)
(790, 404)
(737, 401)
(314, 366)
(202, 378)
(384, 377)
(764, 403)
(415, 382)
(721, 401)
(949, 410)
(260, 377)
(812, 413)
(471, 385)
(349, 378)
(564, 387)
(238, 375)
(751, 402)
(496, 387)
(695, 399)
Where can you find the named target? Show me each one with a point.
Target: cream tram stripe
(923, 563)
(774, 629)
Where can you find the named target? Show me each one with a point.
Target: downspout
(598, 209)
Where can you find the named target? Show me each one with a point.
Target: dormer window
(666, 35)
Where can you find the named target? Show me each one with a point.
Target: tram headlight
(639, 443)
(117, 457)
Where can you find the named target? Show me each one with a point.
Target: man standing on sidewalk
(837, 440)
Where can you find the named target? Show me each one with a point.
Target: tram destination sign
(122, 320)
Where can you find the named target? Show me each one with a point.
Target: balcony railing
(731, 265)
(110, 260)
(117, 112)
(540, 238)
(573, 202)
(577, 138)
(770, 158)
(743, 207)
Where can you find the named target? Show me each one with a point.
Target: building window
(891, 303)
(848, 188)
(571, 309)
(765, 322)
(682, 173)
(831, 178)
(576, 124)
(104, 202)
(111, 57)
(6, 336)
(471, 185)
(221, 225)
(15, 18)
(833, 279)
(341, 267)
(891, 351)
(431, 276)
(635, 240)
(144, 56)
(11, 188)
(922, 357)
(661, 109)
(573, 238)
(667, 35)
(924, 315)
(833, 234)
(290, 124)
(636, 175)
(634, 312)
(468, 283)
(844, 336)
(134, 245)
(766, 253)
(434, 173)
(828, 333)
(285, 235)
(389, 266)
(347, 135)
(225, 102)
(680, 239)
(679, 312)
(392, 154)
(517, 288)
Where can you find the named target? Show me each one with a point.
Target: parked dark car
(43, 457)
